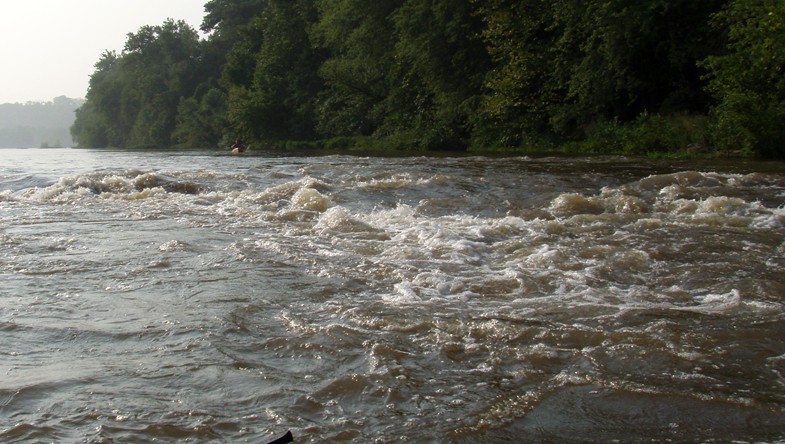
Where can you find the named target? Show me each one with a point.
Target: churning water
(196, 297)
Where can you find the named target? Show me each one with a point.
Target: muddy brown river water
(201, 297)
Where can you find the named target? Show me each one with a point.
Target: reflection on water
(210, 298)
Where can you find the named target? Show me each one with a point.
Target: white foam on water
(405, 293)
(691, 198)
(773, 219)
(311, 199)
(573, 203)
(337, 221)
(393, 181)
(128, 185)
(173, 245)
(278, 192)
(716, 303)
(583, 256)
(437, 299)
(6, 196)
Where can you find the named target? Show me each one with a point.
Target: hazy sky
(48, 48)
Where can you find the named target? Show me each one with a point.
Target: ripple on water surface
(211, 298)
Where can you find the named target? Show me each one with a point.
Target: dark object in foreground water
(285, 439)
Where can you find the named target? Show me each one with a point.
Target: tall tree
(162, 63)
(441, 62)
(201, 119)
(133, 99)
(236, 32)
(749, 81)
(520, 90)
(95, 124)
(280, 102)
(359, 36)
(625, 58)
(563, 65)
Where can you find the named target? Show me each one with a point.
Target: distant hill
(38, 124)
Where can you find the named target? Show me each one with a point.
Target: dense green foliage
(589, 76)
(749, 79)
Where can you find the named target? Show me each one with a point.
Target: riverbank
(650, 135)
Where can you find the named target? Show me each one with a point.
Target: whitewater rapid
(190, 296)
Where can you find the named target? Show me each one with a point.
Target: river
(207, 297)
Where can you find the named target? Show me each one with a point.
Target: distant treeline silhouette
(38, 124)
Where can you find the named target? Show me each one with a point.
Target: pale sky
(48, 48)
